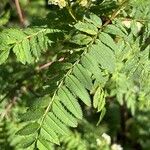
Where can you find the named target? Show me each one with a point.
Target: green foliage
(27, 45)
(91, 66)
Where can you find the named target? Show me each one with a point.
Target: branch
(8, 108)
(44, 66)
(115, 14)
(20, 14)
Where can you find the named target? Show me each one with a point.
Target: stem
(71, 13)
(69, 8)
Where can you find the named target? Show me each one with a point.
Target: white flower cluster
(98, 141)
(106, 141)
(107, 138)
(116, 147)
(60, 3)
(63, 3)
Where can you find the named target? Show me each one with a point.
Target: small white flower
(83, 3)
(60, 3)
(116, 147)
(107, 138)
(99, 142)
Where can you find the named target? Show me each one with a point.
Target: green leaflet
(83, 76)
(86, 27)
(103, 55)
(81, 39)
(4, 55)
(44, 145)
(41, 41)
(28, 141)
(99, 99)
(19, 53)
(48, 134)
(131, 65)
(4, 41)
(41, 102)
(96, 98)
(94, 19)
(26, 50)
(59, 110)
(5, 18)
(35, 49)
(88, 61)
(112, 29)
(56, 125)
(78, 89)
(121, 26)
(28, 129)
(101, 116)
(70, 102)
(107, 40)
(32, 115)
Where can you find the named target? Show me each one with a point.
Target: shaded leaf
(28, 129)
